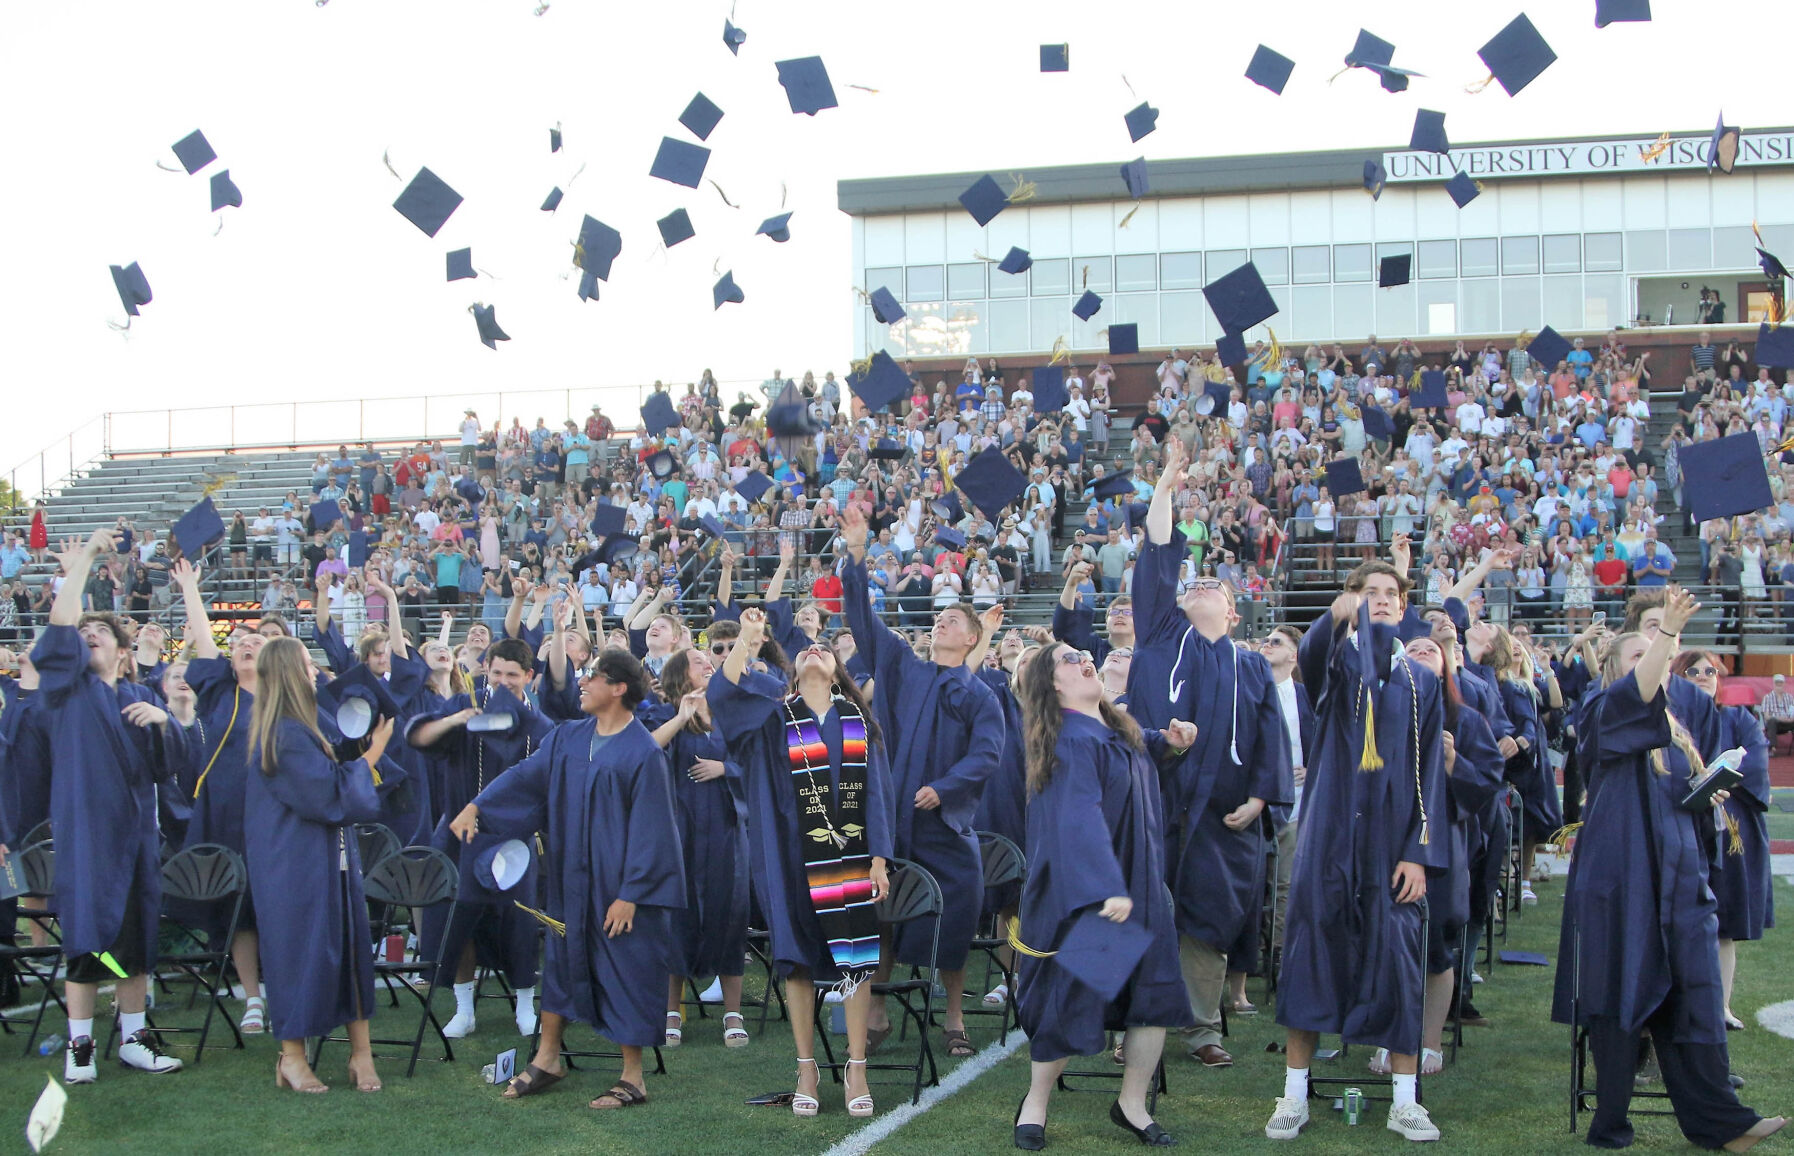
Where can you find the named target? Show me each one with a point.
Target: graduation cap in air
(1124, 338)
(1055, 58)
(427, 202)
(1270, 69)
(658, 413)
(1239, 299)
(618, 547)
(502, 865)
(752, 487)
(792, 420)
(1049, 391)
(1775, 347)
(883, 383)
(711, 526)
(1772, 266)
(1429, 132)
(460, 265)
(1517, 55)
(1102, 955)
(1119, 484)
(1015, 261)
(984, 200)
(1463, 189)
(1375, 54)
(675, 227)
(948, 507)
(1216, 396)
(598, 246)
(662, 464)
(326, 513)
(701, 116)
(734, 38)
(680, 162)
(608, 519)
(1617, 11)
(1395, 271)
(1722, 147)
(726, 290)
(358, 548)
(356, 701)
(133, 287)
(1230, 348)
(949, 537)
(1431, 394)
(225, 192)
(887, 450)
(1133, 175)
(1141, 121)
(588, 286)
(1343, 477)
(1087, 306)
(1377, 423)
(778, 228)
(485, 319)
(1548, 348)
(553, 200)
(807, 85)
(554, 140)
(991, 482)
(885, 307)
(194, 152)
(1374, 178)
(198, 528)
(1725, 477)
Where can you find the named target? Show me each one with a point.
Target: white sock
(526, 1003)
(79, 1028)
(1295, 1083)
(464, 998)
(1403, 1088)
(130, 1023)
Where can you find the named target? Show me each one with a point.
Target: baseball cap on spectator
(778, 228)
(1049, 389)
(1015, 261)
(658, 413)
(883, 382)
(675, 227)
(1087, 306)
(991, 481)
(1780, 678)
(1463, 189)
(701, 116)
(1124, 338)
(1517, 55)
(1614, 11)
(1133, 175)
(1395, 271)
(807, 85)
(885, 307)
(427, 202)
(1270, 69)
(198, 528)
(194, 152)
(1344, 477)
(680, 162)
(726, 290)
(460, 265)
(1548, 348)
(1725, 477)
(1239, 299)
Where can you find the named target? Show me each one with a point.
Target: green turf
(1507, 1093)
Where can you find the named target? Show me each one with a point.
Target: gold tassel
(1025, 190)
(1563, 835)
(1649, 153)
(1015, 941)
(1341, 73)
(217, 484)
(547, 920)
(1085, 284)
(1273, 352)
(1130, 216)
(863, 88)
(1734, 846)
(1061, 351)
(1368, 758)
(861, 367)
(1485, 82)
(1523, 338)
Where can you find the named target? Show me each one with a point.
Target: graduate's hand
(1678, 607)
(1409, 882)
(1507, 746)
(1300, 774)
(1116, 908)
(619, 919)
(185, 574)
(753, 629)
(853, 530)
(927, 799)
(689, 704)
(1451, 751)
(881, 881)
(1719, 798)
(1038, 634)
(787, 551)
(1401, 553)
(467, 824)
(143, 714)
(1181, 735)
(460, 717)
(992, 620)
(1345, 607)
(378, 738)
(103, 541)
(703, 770)
(1244, 815)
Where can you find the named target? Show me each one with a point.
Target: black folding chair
(1267, 920)
(37, 866)
(405, 882)
(1463, 995)
(1581, 1096)
(1515, 872)
(1158, 1087)
(1314, 1082)
(759, 945)
(375, 841)
(1004, 864)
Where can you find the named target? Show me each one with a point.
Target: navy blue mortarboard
(991, 481)
(1614, 11)
(1725, 477)
(791, 420)
(1087, 306)
(1394, 271)
(1772, 265)
(778, 228)
(675, 227)
(1533, 958)
(680, 162)
(752, 487)
(883, 382)
(1369, 49)
(326, 513)
(1135, 514)
(1142, 120)
(554, 140)
(553, 200)
(1101, 954)
(1133, 175)
(427, 202)
(984, 200)
(658, 413)
(1015, 261)
(358, 548)
(885, 307)
(500, 866)
(1216, 396)
(1230, 348)
(662, 464)
(948, 507)
(198, 528)
(460, 265)
(1431, 394)
(1055, 58)
(618, 547)
(1374, 178)
(1344, 477)
(225, 192)
(1270, 69)
(1116, 485)
(1239, 299)
(133, 287)
(887, 450)
(710, 526)
(485, 319)
(1517, 55)
(949, 537)
(1049, 391)
(1548, 348)
(1775, 347)
(356, 699)
(194, 152)
(807, 85)
(726, 290)
(701, 116)
(1124, 338)
(1377, 423)
(608, 519)
(1463, 189)
(734, 38)
(598, 246)
(588, 285)
(1429, 132)
(1722, 147)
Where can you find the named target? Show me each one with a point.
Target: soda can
(1354, 1105)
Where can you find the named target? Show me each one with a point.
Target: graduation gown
(1095, 831)
(1352, 955)
(102, 796)
(1530, 770)
(945, 731)
(1078, 628)
(1473, 781)
(1489, 840)
(1004, 806)
(25, 789)
(1742, 883)
(305, 870)
(752, 725)
(413, 817)
(610, 833)
(1637, 892)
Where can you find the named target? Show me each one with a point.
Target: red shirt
(827, 590)
(1611, 572)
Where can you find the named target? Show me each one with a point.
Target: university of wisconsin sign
(1582, 158)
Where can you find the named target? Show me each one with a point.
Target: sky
(317, 308)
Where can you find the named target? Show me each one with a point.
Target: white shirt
(1286, 697)
(470, 432)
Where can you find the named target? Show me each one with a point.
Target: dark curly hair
(1042, 716)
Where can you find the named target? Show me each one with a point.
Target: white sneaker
(459, 1028)
(713, 993)
(1527, 898)
(77, 1063)
(1475, 976)
(1289, 1119)
(141, 1051)
(997, 996)
(526, 1022)
(1412, 1121)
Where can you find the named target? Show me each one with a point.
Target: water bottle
(51, 1045)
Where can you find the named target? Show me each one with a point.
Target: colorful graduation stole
(837, 863)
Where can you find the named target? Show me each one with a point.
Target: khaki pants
(1286, 860)
(1205, 978)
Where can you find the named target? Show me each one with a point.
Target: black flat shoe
(1028, 1137)
(1152, 1135)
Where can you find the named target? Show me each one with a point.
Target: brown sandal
(532, 1081)
(623, 1094)
(957, 1043)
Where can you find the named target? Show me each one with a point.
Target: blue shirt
(1661, 556)
(1581, 360)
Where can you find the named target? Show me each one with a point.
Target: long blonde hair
(1507, 659)
(1678, 734)
(283, 691)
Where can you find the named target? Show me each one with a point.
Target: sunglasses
(1075, 657)
(720, 649)
(1207, 584)
(590, 671)
(1702, 671)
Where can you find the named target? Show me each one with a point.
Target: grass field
(1507, 1093)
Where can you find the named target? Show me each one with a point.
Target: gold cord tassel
(1735, 845)
(1025, 190)
(547, 920)
(1563, 835)
(1649, 153)
(1015, 941)
(1368, 758)
(1485, 82)
(1061, 351)
(1130, 216)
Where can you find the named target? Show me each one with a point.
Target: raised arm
(645, 607)
(725, 582)
(448, 627)
(747, 645)
(564, 617)
(199, 625)
(77, 562)
(1473, 578)
(992, 621)
(395, 624)
(520, 591)
(775, 586)
(1653, 667)
(1159, 513)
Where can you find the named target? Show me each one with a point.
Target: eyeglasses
(1075, 657)
(590, 671)
(719, 649)
(1207, 584)
(1702, 671)
(1120, 612)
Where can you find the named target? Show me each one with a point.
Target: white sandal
(734, 1037)
(997, 996)
(674, 1034)
(255, 1016)
(802, 1105)
(859, 1105)
(1431, 1062)
(1379, 1062)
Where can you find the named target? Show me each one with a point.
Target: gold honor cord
(1015, 941)
(235, 700)
(546, 920)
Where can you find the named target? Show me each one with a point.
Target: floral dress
(1367, 522)
(1578, 591)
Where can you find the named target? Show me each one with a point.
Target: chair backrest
(914, 895)
(1004, 862)
(38, 862)
(38, 834)
(375, 841)
(204, 873)
(411, 877)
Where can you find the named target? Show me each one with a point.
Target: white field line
(861, 1142)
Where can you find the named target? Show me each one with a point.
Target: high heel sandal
(801, 1104)
(675, 1034)
(281, 1079)
(368, 1083)
(859, 1105)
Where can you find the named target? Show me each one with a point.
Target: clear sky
(317, 290)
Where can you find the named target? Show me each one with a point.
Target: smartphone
(1600, 618)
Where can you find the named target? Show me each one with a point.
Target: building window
(1273, 265)
(1647, 251)
(1350, 263)
(1734, 248)
(1437, 259)
(1520, 303)
(1353, 317)
(1181, 318)
(1311, 265)
(1479, 257)
(1603, 302)
(1563, 302)
(1221, 262)
(1050, 319)
(1051, 278)
(1096, 274)
(1601, 253)
(1180, 270)
(1482, 306)
(1519, 256)
(926, 283)
(889, 278)
(1563, 253)
(965, 281)
(1690, 249)
(1137, 274)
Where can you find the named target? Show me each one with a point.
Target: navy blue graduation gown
(305, 872)
(25, 791)
(1473, 781)
(1076, 862)
(781, 625)
(1637, 892)
(1352, 955)
(1004, 806)
(752, 725)
(945, 731)
(1742, 883)
(1241, 752)
(102, 796)
(1077, 628)
(339, 656)
(1530, 770)
(610, 833)
(221, 763)
(412, 816)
